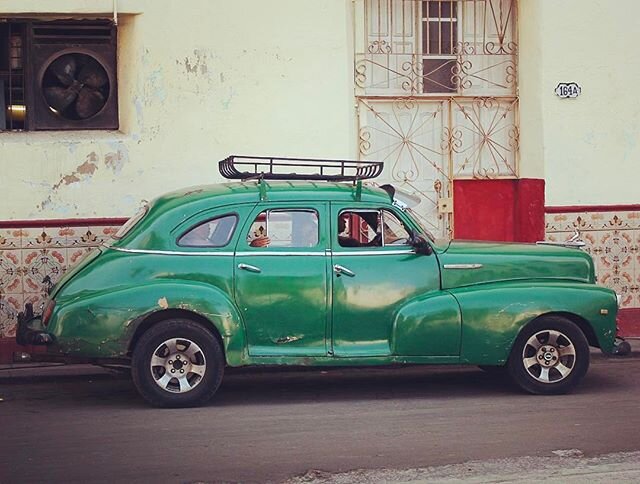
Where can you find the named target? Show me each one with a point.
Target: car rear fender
(104, 324)
(494, 314)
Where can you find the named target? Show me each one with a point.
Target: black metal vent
(73, 81)
(62, 31)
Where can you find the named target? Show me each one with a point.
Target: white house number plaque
(568, 90)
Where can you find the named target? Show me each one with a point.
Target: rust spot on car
(162, 302)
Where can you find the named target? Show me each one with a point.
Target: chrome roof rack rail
(273, 168)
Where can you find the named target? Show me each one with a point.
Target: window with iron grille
(439, 39)
(436, 47)
(58, 75)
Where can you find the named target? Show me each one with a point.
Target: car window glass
(359, 228)
(212, 233)
(394, 232)
(284, 228)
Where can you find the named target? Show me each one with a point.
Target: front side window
(370, 228)
(58, 75)
(212, 233)
(284, 228)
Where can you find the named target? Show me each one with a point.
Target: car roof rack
(273, 168)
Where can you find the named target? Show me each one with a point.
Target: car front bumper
(30, 330)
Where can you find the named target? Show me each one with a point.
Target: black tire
(569, 352)
(207, 364)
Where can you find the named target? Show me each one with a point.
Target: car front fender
(494, 314)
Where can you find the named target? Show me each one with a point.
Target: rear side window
(216, 232)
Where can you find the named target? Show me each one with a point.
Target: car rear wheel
(177, 363)
(550, 356)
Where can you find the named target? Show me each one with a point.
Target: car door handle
(339, 270)
(250, 268)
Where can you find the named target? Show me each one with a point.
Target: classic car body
(386, 300)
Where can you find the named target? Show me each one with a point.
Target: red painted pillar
(501, 210)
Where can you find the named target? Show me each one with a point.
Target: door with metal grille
(435, 83)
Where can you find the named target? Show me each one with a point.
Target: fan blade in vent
(89, 102)
(93, 75)
(60, 98)
(64, 68)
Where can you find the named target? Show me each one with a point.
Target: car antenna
(262, 186)
(358, 185)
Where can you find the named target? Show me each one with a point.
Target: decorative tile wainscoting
(612, 235)
(33, 257)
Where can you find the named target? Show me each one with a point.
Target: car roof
(169, 210)
(249, 191)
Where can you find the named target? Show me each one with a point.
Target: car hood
(465, 263)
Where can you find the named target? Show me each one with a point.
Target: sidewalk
(43, 370)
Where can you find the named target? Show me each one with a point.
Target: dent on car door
(386, 298)
(281, 280)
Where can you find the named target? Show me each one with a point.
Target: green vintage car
(301, 263)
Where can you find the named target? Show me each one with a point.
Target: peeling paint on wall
(117, 157)
(198, 72)
(83, 171)
(198, 63)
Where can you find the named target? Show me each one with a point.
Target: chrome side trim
(323, 253)
(168, 252)
(280, 254)
(374, 252)
(462, 266)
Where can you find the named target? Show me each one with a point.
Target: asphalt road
(273, 426)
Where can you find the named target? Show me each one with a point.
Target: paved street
(278, 425)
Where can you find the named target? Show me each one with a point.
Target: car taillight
(48, 311)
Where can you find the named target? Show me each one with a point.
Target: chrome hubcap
(549, 356)
(178, 365)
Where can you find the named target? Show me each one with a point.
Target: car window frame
(204, 221)
(338, 208)
(282, 209)
(321, 207)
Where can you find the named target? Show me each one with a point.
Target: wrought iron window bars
(272, 168)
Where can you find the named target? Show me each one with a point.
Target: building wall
(212, 78)
(195, 85)
(589, 144)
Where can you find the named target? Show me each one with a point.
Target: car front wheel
(177, 363)
(550, 356)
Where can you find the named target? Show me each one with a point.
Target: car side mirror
(420, 244)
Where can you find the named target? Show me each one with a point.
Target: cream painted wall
(197, 82)
(592, 143)
(530, 89)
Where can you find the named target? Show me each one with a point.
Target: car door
(376, 275)
(281, 279)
